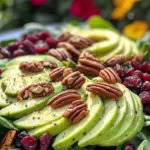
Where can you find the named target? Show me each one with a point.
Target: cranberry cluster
(31, 143)
(29, 44)
(137, 79)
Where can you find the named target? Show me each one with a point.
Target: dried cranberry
(13, 46)
(132, 81)
(145, 86)
(51, 42)
(29, 143)
(18, 52)
(5, 53)
(31, 38)
(145, 97)
(27, 46)
(130, 72)
(146, 109)
(145, 67)
(0, 71)
(19, 137)
(43, 35)
(128, 148)
(146, 77)
(122, 73)
(136, 65)
(45, 141)
(41, 47)
(138, 73)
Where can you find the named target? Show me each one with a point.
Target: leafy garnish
(6, 42)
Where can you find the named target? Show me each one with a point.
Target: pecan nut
(105, 90)
(89, 65)
(8, 140)
(74, 80)
(77, 111)
(60, 53)
(69, 47)
(59, 73)
(64, 37)
(80, 42)
(35, 91)
(64, 98)
(110, 75)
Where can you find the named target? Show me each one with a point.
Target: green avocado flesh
(76, 131)
(19, 109)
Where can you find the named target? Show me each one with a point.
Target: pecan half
(89, 65)
(64, 37)
(77, 111)
(105, 90)
(69, 47)
(64, 98)
(8, 140)
(110, 75)
(59, 73)
(80, 42)
(74, 80)
(35, 91)
(60, 53)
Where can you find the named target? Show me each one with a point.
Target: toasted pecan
(77, 111)
(35, 91)
(64, 98)
(110, 75)
(105, 90)
(8, 140)
(89, 65)
(64, 37)
(59, 73)
(74, 80)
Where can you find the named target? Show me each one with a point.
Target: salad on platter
(84, 87)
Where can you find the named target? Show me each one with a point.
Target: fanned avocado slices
(19, 109)
(76, 131)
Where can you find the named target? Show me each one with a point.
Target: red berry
(45, 141)
(146, 77)
(145, 86)
(51, 42)
(132, 82)
(128, 148)
(43, 35)
(145, 67)
(41, 47)
(145, 97)
(5, 53)
(18, 52)
(138, 73)
(29, 143)
(130, 72)
(13, 46)
(136, 65)
(122, 73)
(0, 71)
(31, 38)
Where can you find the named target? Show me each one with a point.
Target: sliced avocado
(103, 125)
(30, 58)
(52, 128)
(40, 118)
(127, 46)
(4, 99)
(19, 109)
(127, 123)
(76, 131)
(12, 85)
(135, 51)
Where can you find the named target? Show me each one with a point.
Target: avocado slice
(19, 109)
(52, 128)
(40, 118)
(12, 85)
(135, 51)
(76, 131)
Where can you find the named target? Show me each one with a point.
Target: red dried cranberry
(128, 148)
(138, 73)
(43, 35)
(51, 42)
(13, 46)
(45, 141)
(5, 53)
(18, 52)
(29, 143)
(146, 77)
(145, 67)
(145, 97)
(130, 72)
(122, 73)
(0, 71)
(136, 65)
(31, 38)
(132, 81)
(146, 109)
(145, 86)
(41, 47)
(27, 46)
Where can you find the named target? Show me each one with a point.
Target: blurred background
(131, 17)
